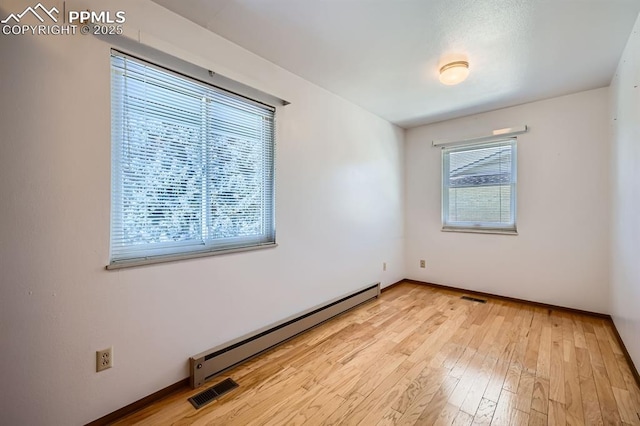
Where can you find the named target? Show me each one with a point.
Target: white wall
(625, 253)
(561, 253)
(339, 216)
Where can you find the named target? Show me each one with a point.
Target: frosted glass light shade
(454, 72)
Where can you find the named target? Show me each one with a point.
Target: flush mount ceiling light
(454, 72)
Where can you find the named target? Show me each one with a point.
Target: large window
(479, 187)
(192, 166)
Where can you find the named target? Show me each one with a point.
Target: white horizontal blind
(479, 186)
(192, 165)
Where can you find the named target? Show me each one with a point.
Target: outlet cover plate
(104, 359)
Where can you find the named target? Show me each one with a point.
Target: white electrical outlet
(384, 266)
(104, 359)
(423, 264)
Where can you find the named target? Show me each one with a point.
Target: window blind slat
(192, 165)
(479, 186)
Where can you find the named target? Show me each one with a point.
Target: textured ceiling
(384, 55)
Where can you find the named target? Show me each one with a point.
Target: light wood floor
(420, 355)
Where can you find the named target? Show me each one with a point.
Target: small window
(479, 187)
(192, 166)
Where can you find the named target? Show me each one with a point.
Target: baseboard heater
(207, 365)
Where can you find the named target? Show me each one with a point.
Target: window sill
(481, 231)
(142, 261)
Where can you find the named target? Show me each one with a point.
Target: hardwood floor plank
(449, 355)
(613, 340)
(468, 379)
(519, 418)
(537, 419)
(608, 407)
(325, 410)
(484, 414)
(474, 396)
(568, 328)
(295, 403)
(543, 366)
(371, 408)
(420, 355)
(610, 363)
(422, 388)
(379, 403)
(494, 388)
(343, 380)
(556, 371)
(506, 334)
(413, 341)
(504, 409)
(629, 379)
(375, 374)
(578, 333)
(572, 392)
(461, 366)
(587, 327)
(583, 361)
(258, 392)
(340, 416)
(525, 392)
(464, 335)
(540, 396)
(432, 411)
(421, 404)
(436, 340)
(592, 413)
(533, 342)
(628, 414)
(519, 338)
(390, 418)
(488, 327)
(462, 419)
(447, 415)
(557, 415)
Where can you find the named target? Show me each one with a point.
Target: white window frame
(177, 251)
(510, 227)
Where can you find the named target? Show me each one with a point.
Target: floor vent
(473, 299)
(209, 364)
(213, 393)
